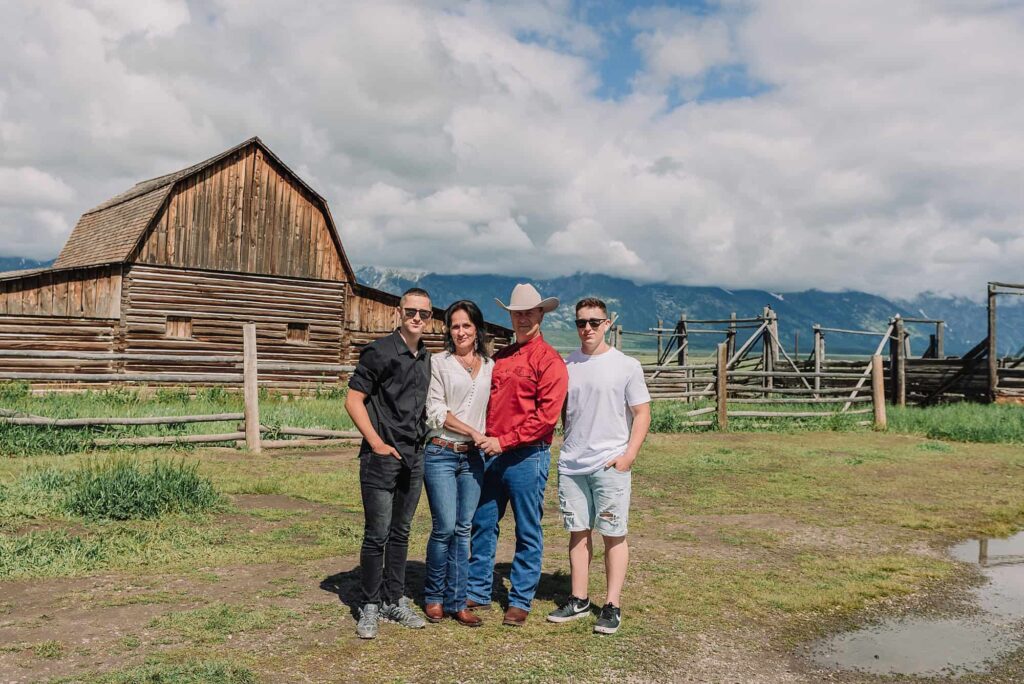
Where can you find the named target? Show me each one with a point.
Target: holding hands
(489, 445)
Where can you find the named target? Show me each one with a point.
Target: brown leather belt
(457, 447)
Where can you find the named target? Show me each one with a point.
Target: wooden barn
(177, 264)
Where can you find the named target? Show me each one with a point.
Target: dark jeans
(391, 490)
(516, 477)
(453, 490)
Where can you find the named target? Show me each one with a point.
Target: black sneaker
(611, 618)
(573, 609)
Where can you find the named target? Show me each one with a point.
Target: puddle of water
(916, 646)
(944, 647)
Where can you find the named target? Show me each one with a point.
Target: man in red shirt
(528, 388)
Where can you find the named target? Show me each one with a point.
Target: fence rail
(250, 433)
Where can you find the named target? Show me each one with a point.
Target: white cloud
(883, 152)
(27, 186)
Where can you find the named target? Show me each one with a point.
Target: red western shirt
(528, 388)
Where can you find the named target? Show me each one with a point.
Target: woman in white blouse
(460, 386)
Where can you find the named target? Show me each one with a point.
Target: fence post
(878, 391)
(993, 351)
(721, 379)
(819, 357)
(768, 343)
(659, 340)
(900, 362)
(684, 355)
(940, 333)
(730, 335)
(618, 337)
(251, 385)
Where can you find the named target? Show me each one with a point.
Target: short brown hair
(413, 292)
(592, 303)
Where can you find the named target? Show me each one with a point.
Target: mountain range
(639, 307)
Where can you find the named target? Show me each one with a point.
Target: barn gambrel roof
(110, 232)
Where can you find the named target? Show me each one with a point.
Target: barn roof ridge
(111, 231)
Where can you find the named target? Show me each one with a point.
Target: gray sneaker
(403, 614)
(369, 615)
(611, 618)
(573, 609)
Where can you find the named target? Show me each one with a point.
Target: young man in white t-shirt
(607, 414)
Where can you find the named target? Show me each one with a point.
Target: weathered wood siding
(218, 304)
(79, 293)
(56, 333)
(244, 214)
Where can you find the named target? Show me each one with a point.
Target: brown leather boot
(467, 618)
(515, 617)
(473, 605)
(434, 612)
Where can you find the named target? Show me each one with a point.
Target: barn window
(298, 333)
(179, 327)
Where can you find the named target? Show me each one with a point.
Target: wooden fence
(248, 369)
(741, 391)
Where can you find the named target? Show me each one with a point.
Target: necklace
(472, 363)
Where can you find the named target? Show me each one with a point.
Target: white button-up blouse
(453, 388)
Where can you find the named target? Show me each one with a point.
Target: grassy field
(236, 568)
(961, 422)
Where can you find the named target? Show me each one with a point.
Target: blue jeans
(453, 489)
(519, 477)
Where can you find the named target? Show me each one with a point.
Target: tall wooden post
(993, 353)
(940, 333)
(796, 345)
(768, 343)
(897, 361)
(721, 379)
(618, 337)
(659, 340)
(819, 357)
(730, 336)
(776, 340)
(878, 391)
(683, 356)
(684, 351)
(251, 389)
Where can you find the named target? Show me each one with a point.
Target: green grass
(121, 489)
(963, 422)
(216, 622)
(48, 650)
(161, 671)
(320, 409)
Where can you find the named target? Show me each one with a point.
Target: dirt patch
(278, 502)
(104, 623)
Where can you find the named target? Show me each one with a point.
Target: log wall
(76, 293)
(218, 304)
(244, 214)
(56, 333)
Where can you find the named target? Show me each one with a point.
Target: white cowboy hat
(525, 297)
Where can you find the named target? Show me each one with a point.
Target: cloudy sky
(863, 144)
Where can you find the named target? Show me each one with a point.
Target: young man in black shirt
(386, 400)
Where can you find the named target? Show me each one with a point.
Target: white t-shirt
(602, 387)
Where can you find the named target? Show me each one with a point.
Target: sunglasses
(424, 314)
(594, 323)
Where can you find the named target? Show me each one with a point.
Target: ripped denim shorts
(598, 501)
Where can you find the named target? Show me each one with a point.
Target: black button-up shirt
(395, 381)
